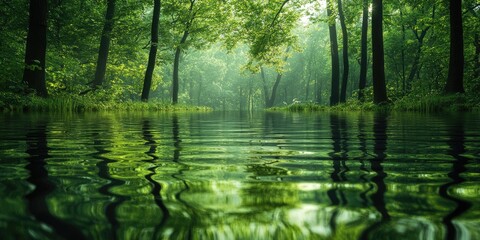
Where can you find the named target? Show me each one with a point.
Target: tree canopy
(232, 54)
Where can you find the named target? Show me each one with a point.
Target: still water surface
(240, 176)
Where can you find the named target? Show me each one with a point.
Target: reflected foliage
(258, 176)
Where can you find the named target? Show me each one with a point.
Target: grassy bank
(428, 103)
(74, 103)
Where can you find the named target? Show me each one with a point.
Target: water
(240, 176)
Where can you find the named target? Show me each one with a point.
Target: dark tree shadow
(37, 149)
(456, 142)
(362, 139)
(338, 157)
(177, 144)
(99, 145)
(156, 187)
(380, 121)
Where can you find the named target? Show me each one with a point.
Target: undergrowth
(412, 103)
(10, 102)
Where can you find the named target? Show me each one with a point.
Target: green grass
(73, 103)
(411, 103)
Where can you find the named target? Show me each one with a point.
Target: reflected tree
(156, 187)
(380, 147)
(37, 149)
(456, 142)
(362, 138)
(99, 145)
(176, 158)
(338, 156)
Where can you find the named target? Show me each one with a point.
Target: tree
(455, 68)
(270, 101)
(176, 62)
(104, 45)
(346, 66)
(266, 27)
(147, 82)
(363, 53)
(334, 98)
(199, 23)
(34, 71)
(378, 70)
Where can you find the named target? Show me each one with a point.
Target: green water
(240, 176)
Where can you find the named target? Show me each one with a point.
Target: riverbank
(74, 103)
(429, 103)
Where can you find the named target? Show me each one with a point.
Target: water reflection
(362, 147)
(188, 211)
(156, 187)
(37, 149)
(378, 198)
(339, 156)
(272, 176)
(100, 144)
(456, 142)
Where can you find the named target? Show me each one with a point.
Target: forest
(240, 119)
(238, 54)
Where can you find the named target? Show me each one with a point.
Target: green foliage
(254, 33)
(437, 103)
(413, 103)
(91, 102)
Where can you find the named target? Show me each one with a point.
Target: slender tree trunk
(378, 70)
(363, 55)
(334, 97)
(176, 63)
(404, 84)
(273, 95)
(199, 93)
(346, 66)
(416, 60)
(271, 101)
(307, 84)
(104, 45)
(147, 82)
(476, 73)
(455, 68)
(265, 88)
(240, 99)
(36, 47)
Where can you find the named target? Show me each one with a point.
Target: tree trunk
(36, 47)
(346, 66)
(404, 84)
(147, 82)
(455, 68)
(416, 60)
(271, 101)
(104, 45)
(175, 68)
(334, 55)
(265, 88)
(273, 95)
(307, 84)
(378, 70)
(363, 55)
(476, 73)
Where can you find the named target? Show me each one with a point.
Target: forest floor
(431, 103)
(74, 103)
